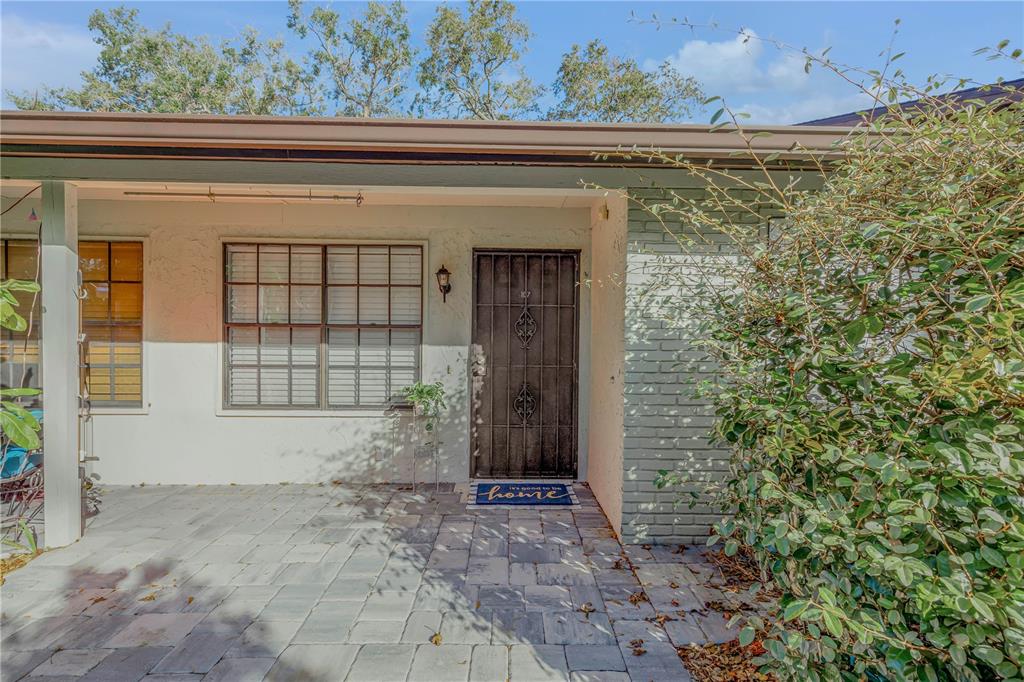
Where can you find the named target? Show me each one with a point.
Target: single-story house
(242, 300)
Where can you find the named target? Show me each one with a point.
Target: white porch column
(63, 510)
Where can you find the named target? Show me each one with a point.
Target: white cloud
(37, 53)
(807, 108)
(736, 65)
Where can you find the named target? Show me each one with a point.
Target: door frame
(498, 251)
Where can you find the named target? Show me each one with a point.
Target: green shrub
(871, 354)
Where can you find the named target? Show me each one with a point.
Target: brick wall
(665, 426)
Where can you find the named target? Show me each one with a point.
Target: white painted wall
(607, 336)
(184, 436)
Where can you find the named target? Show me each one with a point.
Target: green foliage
(870, 346)
(16, 423)
(469, 58)
(594, 86)
(367, 64)
(144, 70)
(31, 544)
(428, 399)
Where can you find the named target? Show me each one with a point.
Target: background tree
(142, 70)
(472, 67)
(368, 64)
(595, 86)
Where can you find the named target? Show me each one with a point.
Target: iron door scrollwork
(524, 404)
(525, 325)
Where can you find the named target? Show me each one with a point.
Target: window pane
(305, 386)
(126, 302)
(373, 265)
(404, 359)
(373, 374)
(306, 265)
(273, 263)
(341, 347)
(241, 303)
(373, 305)
(306, 303)
(96, 305)
(242, 346)
(406, 263)
(242, 384)
(341, 305)
(273, 303)
(241, 263)
(405, 305)
(341, 373)
(305, 346)
(274, 386)
(126, 261)
(92, 261)
(274, 343)
(21, 259)
(341, 265)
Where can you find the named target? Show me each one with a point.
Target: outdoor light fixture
(444, 282)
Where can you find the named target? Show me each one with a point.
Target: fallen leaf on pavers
(638, 647)
(149, 597)
(636, 642)
(337, 481)
(674, 602)
(727, 662)
(679, 550)
(477, 604)
(435, 639)
(618, 565)
(662, 618)
(647, 547)
(674, 585)
(637, 597)
(190, 600)
(587, 609)
(97, 599)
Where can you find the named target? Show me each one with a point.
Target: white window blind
(311, 326)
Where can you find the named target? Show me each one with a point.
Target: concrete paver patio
(369, 583)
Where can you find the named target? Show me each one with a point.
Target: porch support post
(59, 253)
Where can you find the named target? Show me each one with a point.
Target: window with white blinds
(321, 326)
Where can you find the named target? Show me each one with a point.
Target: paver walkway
(349, 583)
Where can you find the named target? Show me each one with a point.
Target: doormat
(524, 494)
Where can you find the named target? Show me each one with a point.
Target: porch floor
(367, 583)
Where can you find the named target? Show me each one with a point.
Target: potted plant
(428, 402)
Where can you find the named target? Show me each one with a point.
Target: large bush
(871, 350)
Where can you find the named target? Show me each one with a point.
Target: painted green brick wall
(665, 427)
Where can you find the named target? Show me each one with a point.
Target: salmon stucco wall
(184, 435)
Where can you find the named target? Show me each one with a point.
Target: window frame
(323, 408)
(100, 410)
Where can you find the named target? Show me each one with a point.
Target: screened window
(111, 311)
(321, 326)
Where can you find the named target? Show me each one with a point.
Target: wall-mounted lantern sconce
(444, 282)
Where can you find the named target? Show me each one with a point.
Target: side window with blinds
(321, 326)
(111, 313)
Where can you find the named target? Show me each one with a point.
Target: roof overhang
(402, 141)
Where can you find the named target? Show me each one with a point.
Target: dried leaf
(587, 609)
(435, 639)
(637, 597)
(149, 597)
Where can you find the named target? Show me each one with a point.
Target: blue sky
(48, 43)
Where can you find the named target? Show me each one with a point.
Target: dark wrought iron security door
(525, 340)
